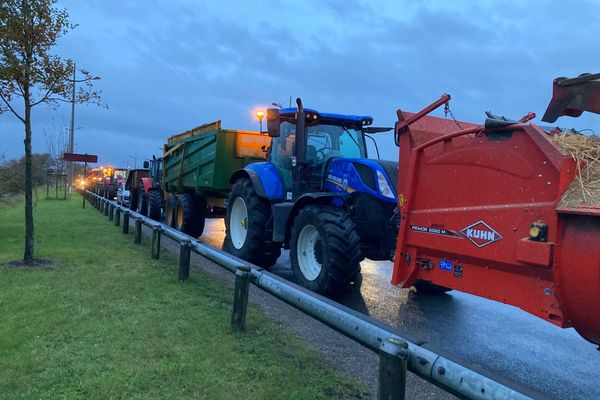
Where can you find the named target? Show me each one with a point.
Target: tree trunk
(28, 255)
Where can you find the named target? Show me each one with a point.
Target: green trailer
(197, 166)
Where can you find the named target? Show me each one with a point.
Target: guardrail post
(126, 222)
(240, 298)
(111, 212)
(117, 216)
(184, 259)
(138, 231)
(106, 205)
(156, 242)
(393, 359)
(101, 205)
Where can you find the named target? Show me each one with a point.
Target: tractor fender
(148, 183)
(325, 198)
(265, 178)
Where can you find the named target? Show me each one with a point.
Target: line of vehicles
(473, 209)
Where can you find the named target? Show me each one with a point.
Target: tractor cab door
(283, 148)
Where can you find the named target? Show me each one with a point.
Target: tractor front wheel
(325, 249)
(246, 226)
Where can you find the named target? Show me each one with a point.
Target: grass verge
(107, 321)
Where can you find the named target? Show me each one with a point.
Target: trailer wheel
(170, 208)
(429, 288)
(246, 226)
(190, 214)
(141, 201)
(133, 200)
(325, 249)
(154, 203)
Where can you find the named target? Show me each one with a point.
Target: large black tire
(141, 201)
(110, 192)
(429, 288)
(333, 263)
(190, 214)
(171, 209)
(133, 200)
(257, 246)
(154, 202)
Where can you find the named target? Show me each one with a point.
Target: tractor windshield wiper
(351, 137)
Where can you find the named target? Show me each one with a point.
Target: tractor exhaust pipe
(300, 156)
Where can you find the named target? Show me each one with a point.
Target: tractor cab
(304, 141)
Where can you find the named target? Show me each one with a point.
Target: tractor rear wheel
(170, 209)
(325, 249)
(246, 223)
(154, 203)
(190, 214)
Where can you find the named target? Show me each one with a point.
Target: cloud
(167, 66)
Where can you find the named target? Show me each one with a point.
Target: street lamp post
(72, 134)
(260, 115)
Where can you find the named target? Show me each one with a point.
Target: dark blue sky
(167, 66)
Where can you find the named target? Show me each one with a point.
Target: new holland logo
(481, 234)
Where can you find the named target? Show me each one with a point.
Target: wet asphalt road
(499, 340)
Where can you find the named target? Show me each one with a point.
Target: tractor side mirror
(146, 164)
(374, 129)
(273, 122)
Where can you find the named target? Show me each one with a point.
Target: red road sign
(91, 158)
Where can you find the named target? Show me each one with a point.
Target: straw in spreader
(585, 149)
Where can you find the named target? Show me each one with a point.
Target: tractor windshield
(326, 141)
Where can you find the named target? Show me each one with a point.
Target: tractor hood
(351, 175)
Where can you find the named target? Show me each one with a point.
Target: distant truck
(133, 184)
(146, 191)
(197, 167)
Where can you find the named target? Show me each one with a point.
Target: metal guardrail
(397, 354)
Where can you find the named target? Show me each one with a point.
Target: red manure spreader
(481, 211)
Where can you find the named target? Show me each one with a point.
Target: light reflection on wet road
(486, 335)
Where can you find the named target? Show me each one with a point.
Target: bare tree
(56, 143)
(30, 75)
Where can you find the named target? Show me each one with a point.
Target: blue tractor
(318, 195)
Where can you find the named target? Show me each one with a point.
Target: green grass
(108, 322)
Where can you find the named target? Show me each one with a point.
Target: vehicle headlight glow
(384, 187)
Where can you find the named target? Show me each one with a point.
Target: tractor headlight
(384, 187)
